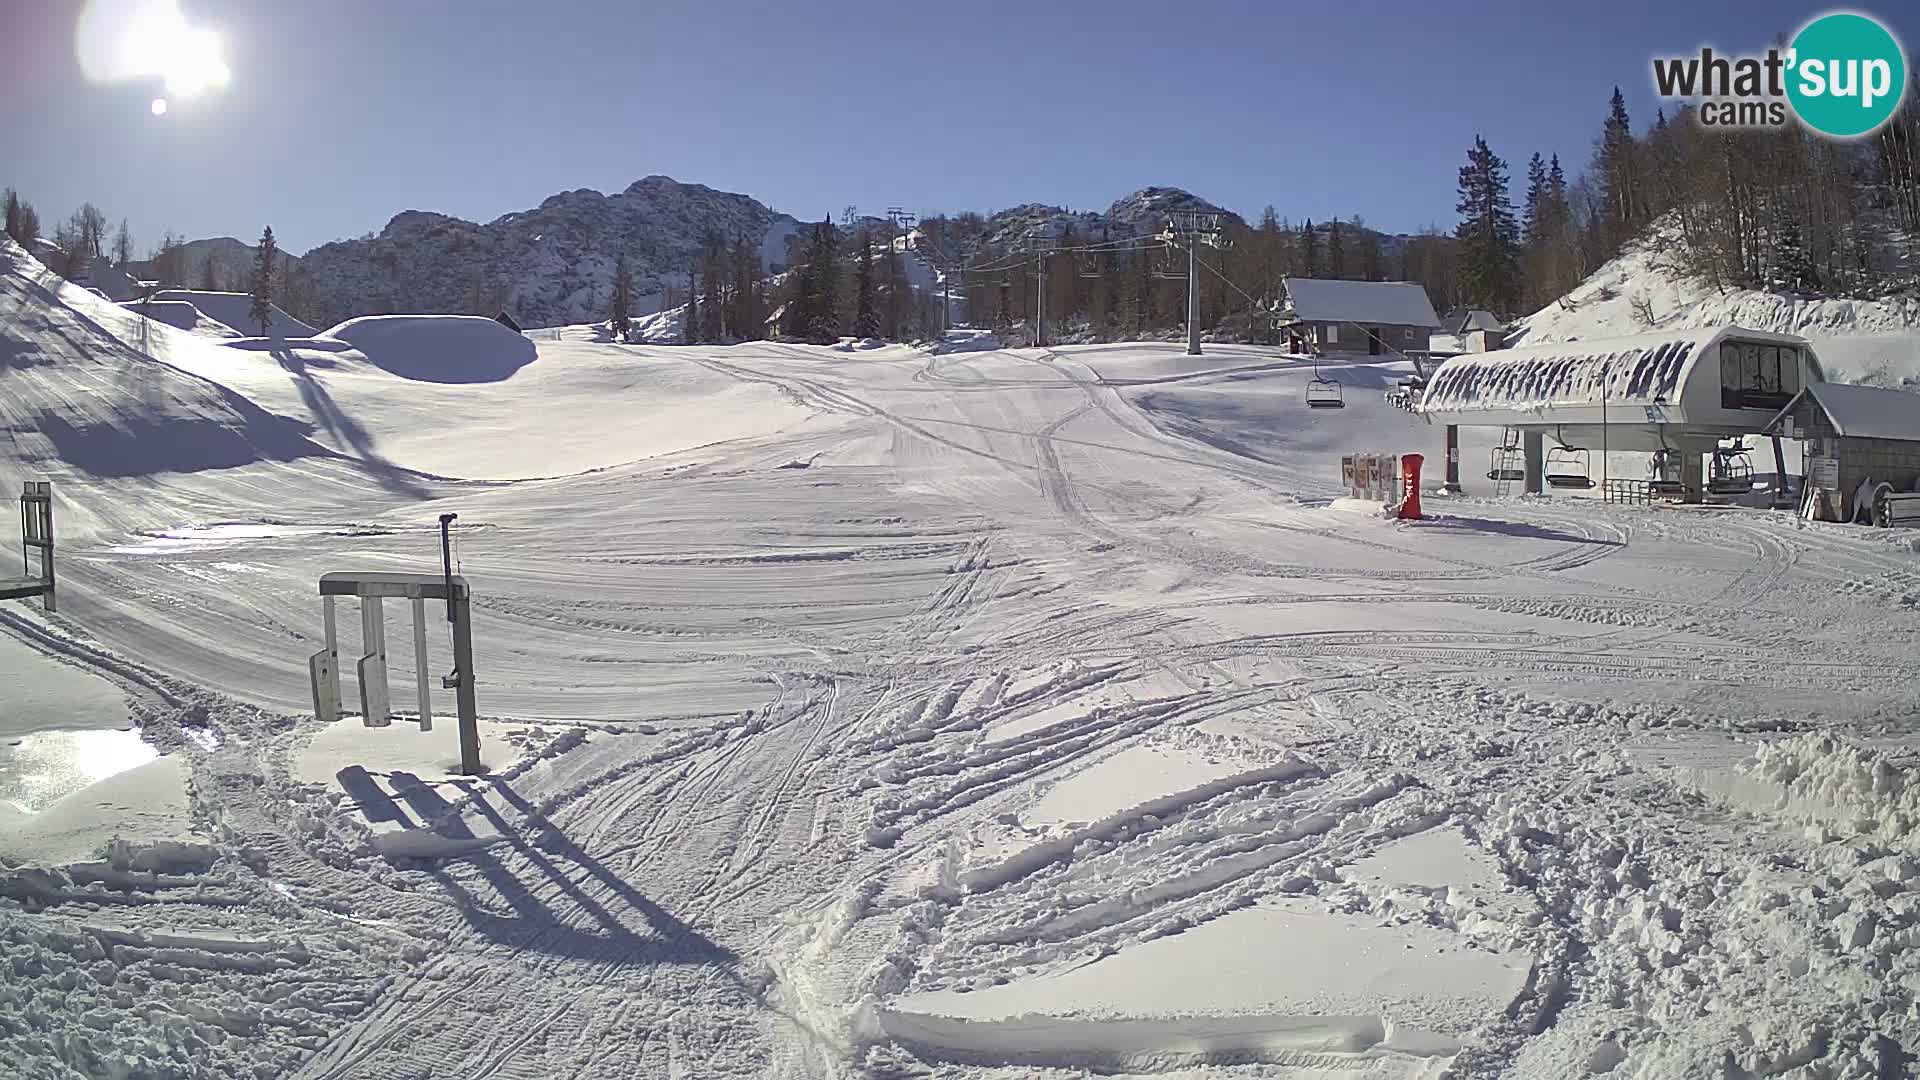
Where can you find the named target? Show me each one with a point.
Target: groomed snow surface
(885, 713)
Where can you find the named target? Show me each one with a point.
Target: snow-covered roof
(1865, 412)
(1371, 303)
(1460, 321)
(1626, 370)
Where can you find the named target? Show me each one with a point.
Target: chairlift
(1665, 461)
(1324, 392)
(1507, 463)
(1731, 472)
(1569, 467)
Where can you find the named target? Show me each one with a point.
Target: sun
(119, 40)
(159, 106)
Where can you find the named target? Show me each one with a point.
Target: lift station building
(1680, 392)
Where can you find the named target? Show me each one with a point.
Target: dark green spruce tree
(262, 310)
(866, 314)
(1488, 236)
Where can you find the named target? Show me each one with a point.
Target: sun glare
(122, 40)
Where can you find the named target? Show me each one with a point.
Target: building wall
(1352, 339)
(1884, 461)
(1888, 461)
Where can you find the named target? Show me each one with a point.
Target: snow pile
(74, 393)
(1842, 787)
(181, 315)
(438, 348)
(235, 309)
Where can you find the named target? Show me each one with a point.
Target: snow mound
(438, 348)
(182, 316)
(74, 392)
(235, 309)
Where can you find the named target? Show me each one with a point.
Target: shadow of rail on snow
(542, 894)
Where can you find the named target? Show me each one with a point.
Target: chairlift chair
(1662, 463)
(1507, 463)
(1731, 472)
(1324, 392)
(1569, 467)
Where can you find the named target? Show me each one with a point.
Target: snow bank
(235, 309)
(181, 316)
(87, 397)
(438, 348)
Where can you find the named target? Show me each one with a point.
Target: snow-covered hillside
(979, 714)
(552, 265)
(1871, 341)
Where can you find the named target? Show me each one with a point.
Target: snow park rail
(36, 531)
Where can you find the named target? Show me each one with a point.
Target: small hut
(1852, 434)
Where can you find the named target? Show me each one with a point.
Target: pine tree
(122, 245)
(746, 273)
(208, 282)
(690, 332)
(1489, 272)
(824, 269)
(1336, 252)
(263, 260)
(1309, 261)
(620, 314)
(866, 318)
(1536, 194)
(713, 322)
(12, 201)
(1616, 169)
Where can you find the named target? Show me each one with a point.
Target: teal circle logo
(1846, 75)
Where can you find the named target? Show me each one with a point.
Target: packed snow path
(850, 724)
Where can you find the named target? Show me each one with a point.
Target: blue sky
(344, 112)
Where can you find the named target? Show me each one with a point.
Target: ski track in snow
(788, 735)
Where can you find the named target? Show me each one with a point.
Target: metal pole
(1452, 485)
(446, 559)
(463, 660)
(1193, 297)
(1605, 378)
(1780, 500)
(420, 663)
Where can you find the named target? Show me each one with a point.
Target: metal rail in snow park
(36, 532)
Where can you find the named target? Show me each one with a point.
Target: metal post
(420, 663)
(333, 642)
(469, 710)
(1193, 295)
(1780, 475)
(372, 669)
(46, 553)
(1452, 484)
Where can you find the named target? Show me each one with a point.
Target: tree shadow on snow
(337, 423)
(626, 926)
(1517, 529)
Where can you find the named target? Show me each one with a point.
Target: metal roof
(1368, 303)
(1640, 369)
(1863, 412)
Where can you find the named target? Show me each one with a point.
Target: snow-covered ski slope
(974, 714)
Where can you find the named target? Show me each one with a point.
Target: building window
(1333, 334)
(1758, 376)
